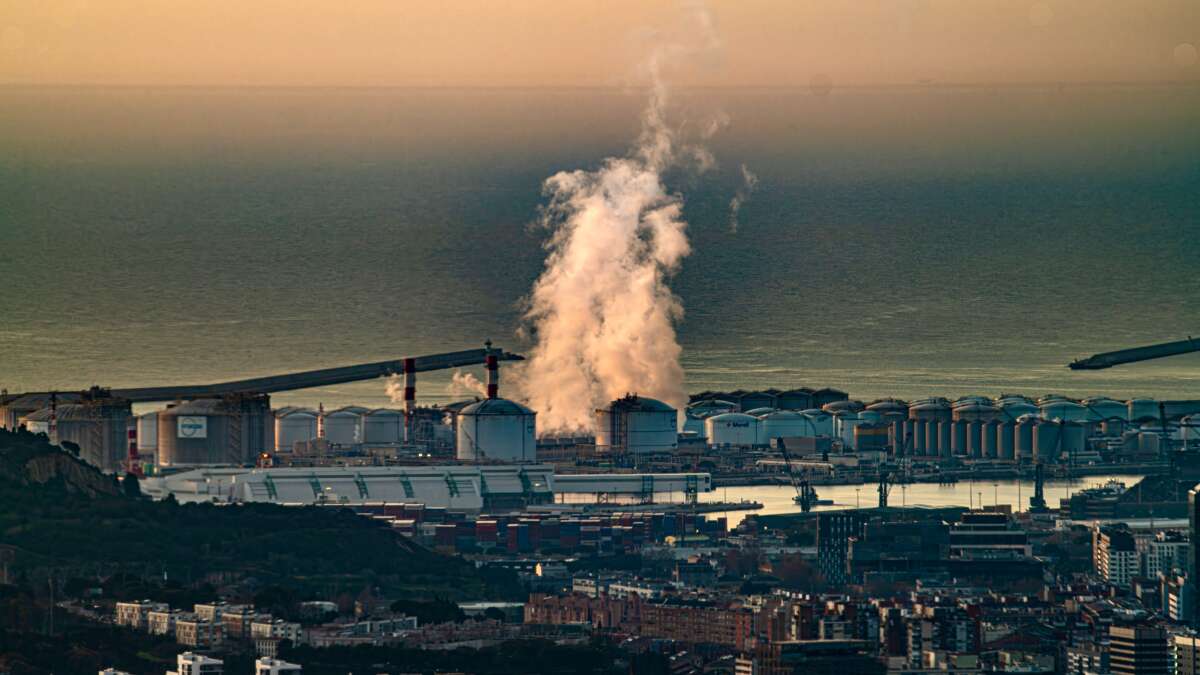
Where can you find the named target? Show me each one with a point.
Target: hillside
(63, 515)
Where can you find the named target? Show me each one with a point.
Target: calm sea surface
(902, 242)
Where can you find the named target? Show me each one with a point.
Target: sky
(552, 43)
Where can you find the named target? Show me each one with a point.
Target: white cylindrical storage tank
(147, 434)
(1047, 441)
(932, 444)
(918, 430)
(639, 425)
(711, 406)
(795, 399)
(693, 425)
(757, 399)
(976, 412)
(1006, 447)
(945, 438)
(1064, 410)
(1101, 408)
(844, 424)
(1074, 440)
(1149, 442)
(889, 409)
(975, 439)
(991, 439)
(844, 405)
(731, 429)
(1173, 430)
(786, 424)
(822, 421)
(383, 426)
(1189, 428)
(294, 425)
(1113, 427)
(1142, 408)
(1013, 408)
(1023, 437)
(958, 439)
(870, 416)
(759, 412)
(902, 437)
(344, 425)
(496, 429)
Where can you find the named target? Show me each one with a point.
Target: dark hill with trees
(62, 517)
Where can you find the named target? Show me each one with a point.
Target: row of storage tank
(237, 430)
(933, 426)
(495, 429)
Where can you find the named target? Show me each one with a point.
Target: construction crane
(1158, 351)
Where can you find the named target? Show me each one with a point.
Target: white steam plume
(465, 384)
(395, 388)
(749, 181)
(601, 313)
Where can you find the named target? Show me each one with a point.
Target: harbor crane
(885, 486)
(806, 496)
(1037, 503)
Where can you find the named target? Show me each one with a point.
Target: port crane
(1136, 354)
(806, 496)
(885, 486)
(1037, 503)
(888, 478)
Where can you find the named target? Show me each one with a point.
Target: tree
(133, 487)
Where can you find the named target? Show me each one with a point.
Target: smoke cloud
(395, 388)
(749, 182)
(465, 384)
(602, 314)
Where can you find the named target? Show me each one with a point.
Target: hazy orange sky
(586, 42)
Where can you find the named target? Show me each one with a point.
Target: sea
(900, 241)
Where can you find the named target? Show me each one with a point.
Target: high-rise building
(1192, 565)
(1138, 650)
(1114, 555)
(834, 530)
(1186, 650)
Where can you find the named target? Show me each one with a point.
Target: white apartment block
(265, 666)
(162, 621)
(134, 614)
(188, 663)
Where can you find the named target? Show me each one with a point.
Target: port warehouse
(457, 486)
(239, 430)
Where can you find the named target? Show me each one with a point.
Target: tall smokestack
(410, 397)
(52, 427)
(133, 464)
(493, 375)
(320, 420)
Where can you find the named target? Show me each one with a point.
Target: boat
(813, 499)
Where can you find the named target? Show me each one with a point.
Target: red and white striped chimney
(133, 463)
(320, 420)
(410, 397)
(493, 376)
(52, 427)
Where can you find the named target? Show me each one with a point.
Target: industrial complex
(224, 442)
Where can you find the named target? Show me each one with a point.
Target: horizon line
(923, 84)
